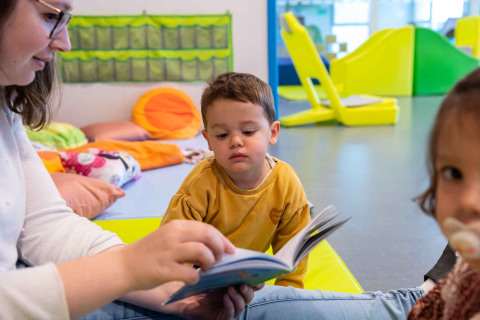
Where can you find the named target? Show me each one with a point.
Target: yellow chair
(326, 270)
(309, 66)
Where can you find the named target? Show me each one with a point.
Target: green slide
(437, 63)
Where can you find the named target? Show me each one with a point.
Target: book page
(242, 255)
(289, 252)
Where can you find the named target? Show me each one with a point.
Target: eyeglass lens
(63, 20)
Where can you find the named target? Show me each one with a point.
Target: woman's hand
(164, 254)
(227, 303)
(223, 304)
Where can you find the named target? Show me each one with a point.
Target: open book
(252, 267)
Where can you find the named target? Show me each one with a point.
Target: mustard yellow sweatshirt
(254, 219)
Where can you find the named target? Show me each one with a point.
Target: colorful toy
(463, 238)
(373, 110)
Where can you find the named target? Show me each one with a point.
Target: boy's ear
(274, 130)
(205, 135)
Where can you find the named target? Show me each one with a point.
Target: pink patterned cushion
(115, 167)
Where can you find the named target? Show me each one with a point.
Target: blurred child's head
(454, 156)
(242, 87)
(239, 119)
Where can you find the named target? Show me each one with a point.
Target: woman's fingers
(228, 307)
(196, 253)
(164, 254)
(204, 233)
(237, 298)
(259, 286)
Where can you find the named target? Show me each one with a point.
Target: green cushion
(58, 135)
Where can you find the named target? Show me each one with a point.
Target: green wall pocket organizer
(147, 48)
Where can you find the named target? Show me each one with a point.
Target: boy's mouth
(237, 155)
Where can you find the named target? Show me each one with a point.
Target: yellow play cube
(467, 34)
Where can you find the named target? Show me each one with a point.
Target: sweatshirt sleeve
(297, 222)
(51, 231)
(33, 293)
(181, 209)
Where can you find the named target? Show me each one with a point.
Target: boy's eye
(221, 136)
(451, 173)
(248, 132)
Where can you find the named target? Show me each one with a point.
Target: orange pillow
(51, 160)
(167, 113)
(149, 154)
(88, 197)
(115, 130)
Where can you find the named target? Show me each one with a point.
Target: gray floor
(371, 174)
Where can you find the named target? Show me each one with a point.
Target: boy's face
(239, 134)
(457, 167)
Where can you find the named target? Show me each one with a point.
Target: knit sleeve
(430, 306)
(180, 208)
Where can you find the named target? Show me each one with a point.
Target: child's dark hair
(241, 87)
(460, 104)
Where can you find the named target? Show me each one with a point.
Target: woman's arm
(160, 257)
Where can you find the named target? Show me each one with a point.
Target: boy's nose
(236, 141)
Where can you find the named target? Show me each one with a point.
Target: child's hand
(163, 255)
(465, 239)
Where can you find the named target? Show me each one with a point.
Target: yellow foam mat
(326, 270)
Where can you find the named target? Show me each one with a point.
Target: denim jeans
(274, 302)
(120, 310)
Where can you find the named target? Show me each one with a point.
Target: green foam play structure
(382, 65)
(438, 65)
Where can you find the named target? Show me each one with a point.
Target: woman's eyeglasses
(60, 19)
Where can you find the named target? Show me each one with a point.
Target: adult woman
(75, 267)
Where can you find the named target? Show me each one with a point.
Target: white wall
(87, 103)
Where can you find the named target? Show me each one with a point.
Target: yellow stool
(326, 270)
(309, 66)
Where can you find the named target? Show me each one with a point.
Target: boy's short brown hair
(460, 104)
(243, 87)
